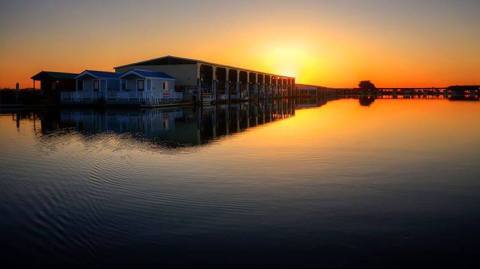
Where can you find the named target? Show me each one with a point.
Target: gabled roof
(147, 74)
(99, 74)
(174, 60)
(166, 60)
(54, 75)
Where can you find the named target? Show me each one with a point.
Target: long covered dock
(212, 83)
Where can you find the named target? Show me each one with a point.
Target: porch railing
(121, 97)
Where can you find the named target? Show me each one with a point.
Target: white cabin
(134, 87)
(149, 87)
(92, 87)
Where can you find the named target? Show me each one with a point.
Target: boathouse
(53, 83)
(209, 82)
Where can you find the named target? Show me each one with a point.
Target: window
(96, 85)
(140, 85)
(124, 85)
(165, 85)
(80, 85)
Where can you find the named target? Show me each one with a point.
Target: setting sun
(290, 59)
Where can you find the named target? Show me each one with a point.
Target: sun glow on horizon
(295, 59)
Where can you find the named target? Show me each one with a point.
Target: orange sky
(319, 42)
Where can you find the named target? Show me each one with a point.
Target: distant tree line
(464, 88)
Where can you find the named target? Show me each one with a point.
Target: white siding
(88, 85)
(131, 84)
(113, 84)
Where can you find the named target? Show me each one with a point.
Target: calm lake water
(344, 184)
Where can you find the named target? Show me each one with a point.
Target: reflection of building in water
(156, 125)
(172, 128)
(301, 103)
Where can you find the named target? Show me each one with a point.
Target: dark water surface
(392, 184)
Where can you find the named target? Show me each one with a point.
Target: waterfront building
(148, 88)
(135, 87)
(91, 87)
(210, 82)
(172, 80)
(53, 83)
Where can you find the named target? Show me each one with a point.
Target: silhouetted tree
(367, 86)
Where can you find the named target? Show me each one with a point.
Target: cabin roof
(99, 74)
(174, 60)
(54, 75)
(166, 60)
(147, 73)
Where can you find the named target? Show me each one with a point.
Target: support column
(248, 115)
(265, 86)
(264, 117)
(290, 85)
(270, 112)
(237, 86)
(280, 88)
(199, 84)
(258, 85)
(227, 119)
(287, 90)
(294, 88)
(248, 85)
(199, 126)
(270, 87)
(276, 88)
(214, 122)
(238, 118)
(270, 95)
(227, 84)
(214, 84)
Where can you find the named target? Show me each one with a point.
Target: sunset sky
(325, 42)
